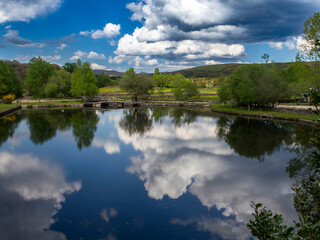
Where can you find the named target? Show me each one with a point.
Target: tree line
(263, 85)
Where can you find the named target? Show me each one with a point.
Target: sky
(148, 34)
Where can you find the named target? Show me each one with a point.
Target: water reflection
(31, 192)
(8, 126)
(157, 158)
(43, 125)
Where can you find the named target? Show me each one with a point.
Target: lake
(143, 173)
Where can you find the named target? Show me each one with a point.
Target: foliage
(38, 75)
(265, 57)
(256, 85)
(9, 83)
(267, 225)
(70, 67)
(183, 88)
(161, 80)
(83, 81)
(103, 80)
(58, 86)
(223, 90)
(8, 98)
(137, 84)
(306, 203)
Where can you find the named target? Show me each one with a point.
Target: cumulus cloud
(94, 55)
(31, 191)
(96, 66)
(12, 37)
(191, 158)
(24, 10)
(110, 30)
(91, 55)
(201, 31)
(109, 146)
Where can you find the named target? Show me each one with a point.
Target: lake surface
(142, 174)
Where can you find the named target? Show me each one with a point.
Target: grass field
(4, 107)
(233, 109)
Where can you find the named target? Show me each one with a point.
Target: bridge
(113, 104)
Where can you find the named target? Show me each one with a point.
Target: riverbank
(220, 108)
(268, 114)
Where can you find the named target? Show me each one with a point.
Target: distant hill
(109, 72)
(215, 71)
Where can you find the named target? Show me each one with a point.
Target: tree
(223, 90)
(309, 51)
(183, 88)
(257, 85)
(9, 83)
(70, 67)
(265, 57)
(58, 85)
(103, 80)
(38, 75)
(83, 81)
(137, 84)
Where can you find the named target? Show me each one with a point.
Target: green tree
(9, 83)
(266, 57)
(103, 80)
(309, 55)
(137, 84)
(224, 93)
(258, 85)
(38, 75)
(83, 81)
(70, 67)
(59, 85)
(183, 88)
(267, 225)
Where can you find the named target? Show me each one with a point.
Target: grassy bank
(4, 107)
(52, 102)
(229, 108)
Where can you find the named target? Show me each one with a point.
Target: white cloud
(109, 146)
(51, 58)
(94, 55)
(186, 49)
(110, 30)
(191, 158)
(78, 55)
(96, 66)
(33, 190)
(24, 10)
(91, 55)
(62, 46)
(291, 43)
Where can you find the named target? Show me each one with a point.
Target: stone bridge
(113, 104)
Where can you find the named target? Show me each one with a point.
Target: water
(142, 174)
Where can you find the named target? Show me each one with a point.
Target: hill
(109, 72)
(215, 71)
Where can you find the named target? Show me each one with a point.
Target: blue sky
(169, 34)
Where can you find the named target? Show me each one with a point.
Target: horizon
(149, 34)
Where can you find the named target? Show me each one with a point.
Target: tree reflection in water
(43, 126)
(8, 126)
(256, 138)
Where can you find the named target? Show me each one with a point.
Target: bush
(8, 98)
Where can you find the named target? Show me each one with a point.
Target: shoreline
(206, 107)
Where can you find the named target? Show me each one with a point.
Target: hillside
(215, 71)
(109, 72)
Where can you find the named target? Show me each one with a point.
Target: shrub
(8, 98)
